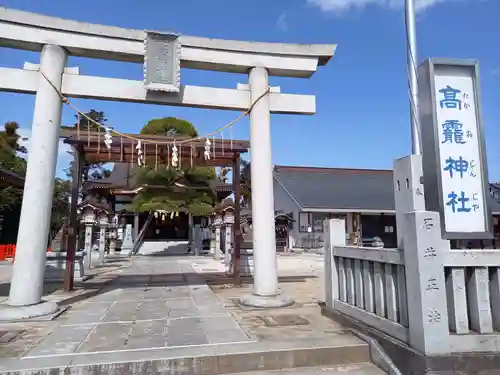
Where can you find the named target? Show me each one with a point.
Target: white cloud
(281, 22)
(342, 6)
(63, 158)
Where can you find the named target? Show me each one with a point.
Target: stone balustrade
(437, 300)
(370, 287)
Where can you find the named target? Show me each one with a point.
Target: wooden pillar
(237, 218)
(73, 219)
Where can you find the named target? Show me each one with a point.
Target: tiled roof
(342, 189)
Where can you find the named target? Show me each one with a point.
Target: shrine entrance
(162, 55)
(165, 227)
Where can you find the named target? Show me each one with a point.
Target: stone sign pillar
(89, 221)
(136, 227)
(103, 225)
(128, 243)
(197, 239)
(26, 288)
(212, 236)
(217, 224)
(265, 289)
(228, 238)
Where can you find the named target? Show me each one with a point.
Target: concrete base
(16, 313)
(412, 362)
(267, 302)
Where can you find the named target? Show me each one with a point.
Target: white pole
(29, 267)
(265, 291)
(411, 57)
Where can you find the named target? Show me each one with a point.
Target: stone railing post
(335, 235)
(424, 252)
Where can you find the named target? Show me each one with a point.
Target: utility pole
(411, 58)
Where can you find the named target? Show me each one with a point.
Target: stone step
(204, 359)
(363, 368)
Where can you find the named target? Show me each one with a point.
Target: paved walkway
(136, 310)
(162, 307)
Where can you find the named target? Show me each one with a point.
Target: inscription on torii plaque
(162, 61)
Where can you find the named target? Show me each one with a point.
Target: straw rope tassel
(180, 156)
(231, 136)
(88, 133)
(98, 141)
(121, 149)
(78, 126)
(156, 157)
(222, 141)
(133, 153)
(191, 156)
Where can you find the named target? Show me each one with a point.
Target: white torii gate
(57, 38)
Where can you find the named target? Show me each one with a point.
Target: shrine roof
(94, 203)
(9, 178)
(342, 189)
(156, 149)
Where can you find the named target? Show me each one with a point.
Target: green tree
(246, 183)
(12, 158)
(187, 189)
(11, 150)
(60, 205)
(94, 171)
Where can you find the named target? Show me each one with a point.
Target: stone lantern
(103, 222)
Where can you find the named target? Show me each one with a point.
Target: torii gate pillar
(265, 291)
(26, 290)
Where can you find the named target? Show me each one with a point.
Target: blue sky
(362, 108)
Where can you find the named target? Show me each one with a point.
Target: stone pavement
(136, 311)
(350, 369)
(178, 312)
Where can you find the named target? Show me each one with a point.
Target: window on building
(303, 221)
(389, 229)
(313, 220)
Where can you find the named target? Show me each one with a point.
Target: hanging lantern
(207, 149)
(108, 138)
